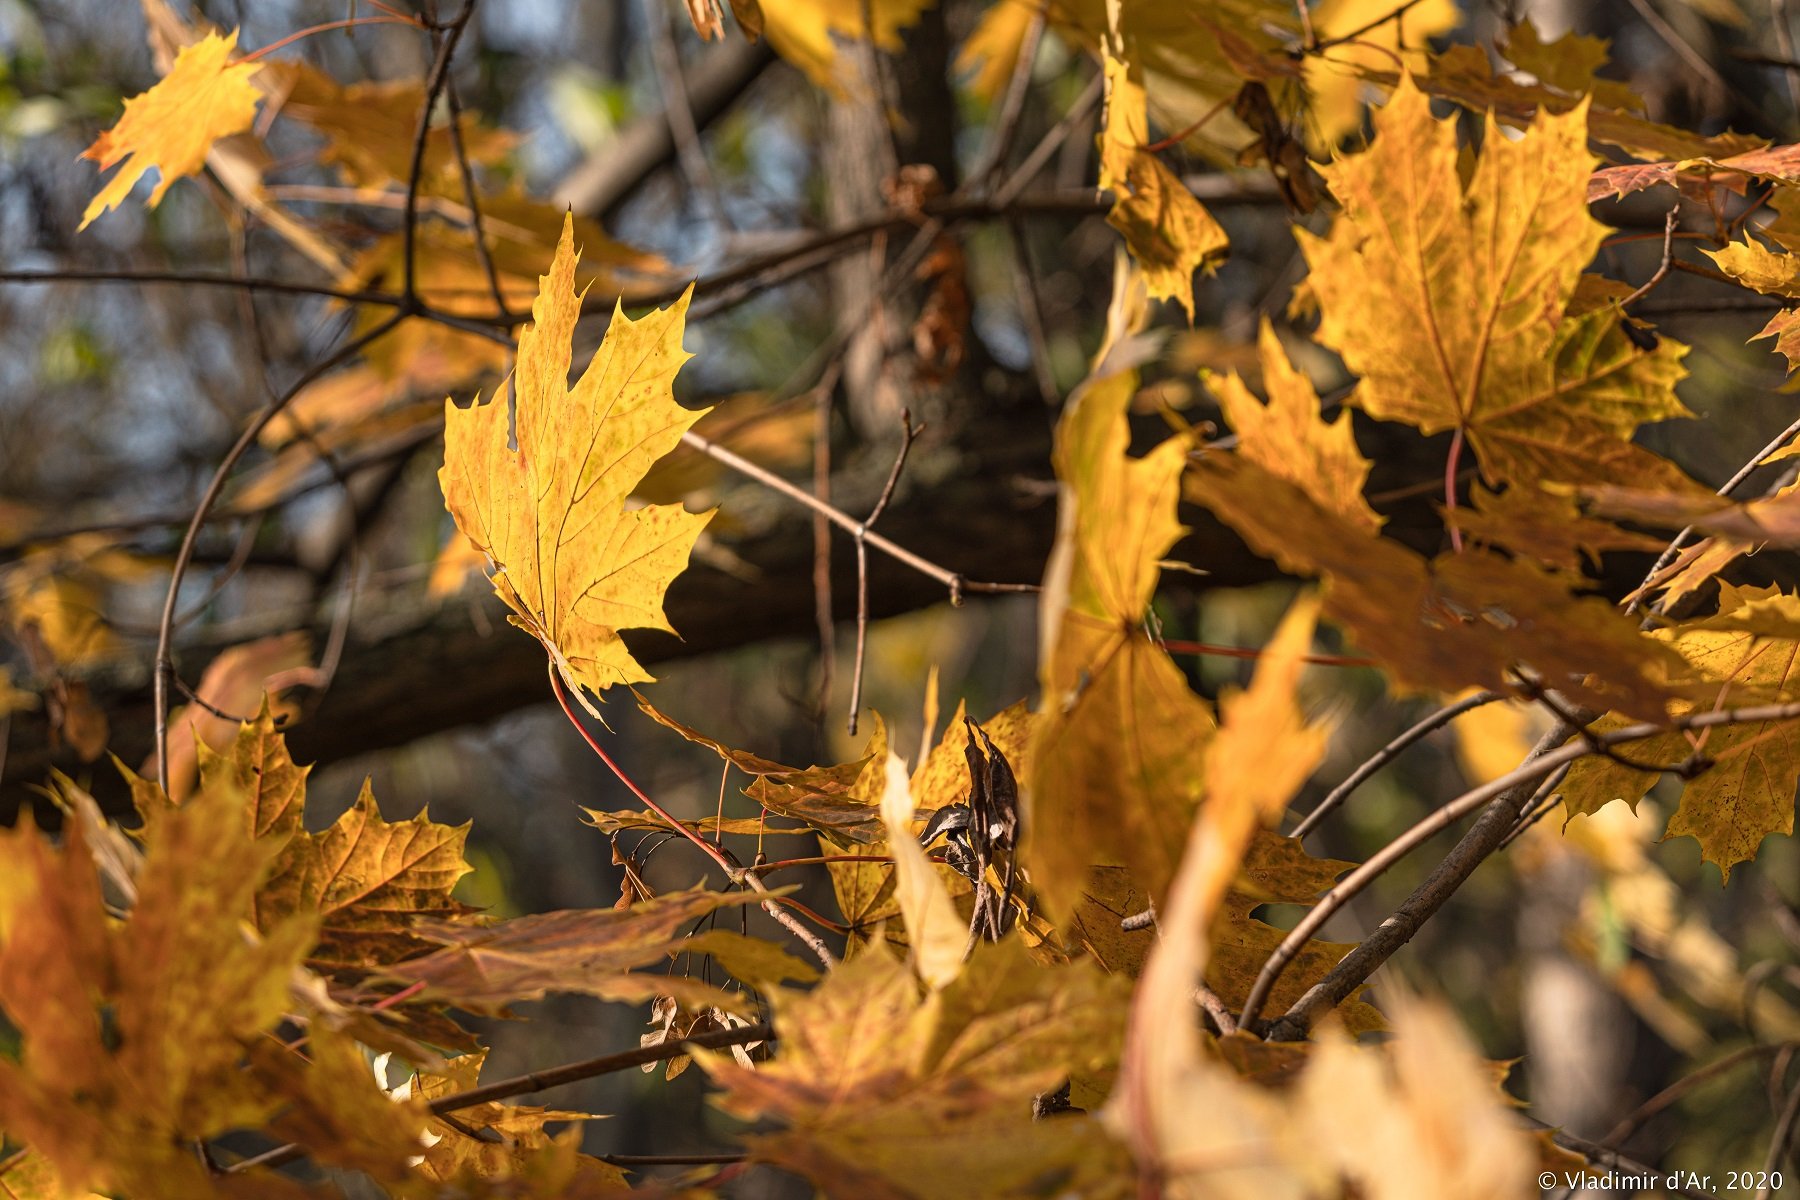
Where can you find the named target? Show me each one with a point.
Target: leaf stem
(1451, 461)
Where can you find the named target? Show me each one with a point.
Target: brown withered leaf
(369, 129)
(1773, 521)
(1466, 75)
(516, 1139)
(1456, 621)
(131, 1032)
(883, 1091)
(1547, 526)
(594, 952)
(1733, 171)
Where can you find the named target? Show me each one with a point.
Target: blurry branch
(445, 39)
(1429, 724)
(1502, 801)
(1635, 1119)
(613, 171)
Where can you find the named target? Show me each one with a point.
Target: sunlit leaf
(572, 562)
(1451, 302)
(171, 127)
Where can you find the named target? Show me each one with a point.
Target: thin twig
(1725, 489)
(1504, 799)
(1671, 37)
(665, 58)
(1047, 147)
(439, 75)
(958, 585)
(717, 853)
(1365, 28)
(467, 172)
(671, 1160)
(1387, 754)
(1543, 802)
(164, 663)
(1223, 1022)
(907, 434)
(1012, 105)
(1668, 259)
(538, 1081)
(1634, 1120)
(823, 392)
(1608, 1159)
(1025, 289)
(1779, 1143)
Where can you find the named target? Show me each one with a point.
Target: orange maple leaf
(173, 126)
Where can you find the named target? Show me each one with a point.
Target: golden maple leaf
(1453, 303)
(131, 1032)
(1115, 765)
(571, 561)
(1749, 652)
(807, 32)
(171, 127)
(1288, 437)
(1170, 234)
(881, 1091)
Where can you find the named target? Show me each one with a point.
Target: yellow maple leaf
(1115, 762)
(1749, 652)
(1452, 302)
(1169, 232)
(571, 561)
(1335, 78)
(882, 1089)
(171, 127)
(806, 32)
(131, 1032)
(1757, 267)
(1288, 437)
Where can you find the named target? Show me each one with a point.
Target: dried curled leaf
(571, 561)
(171, 127)
(1446, 623)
